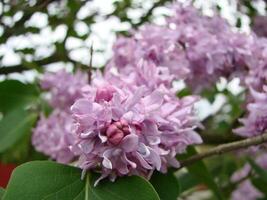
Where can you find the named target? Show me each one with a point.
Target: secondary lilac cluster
(53, 135)
(245, 189)
(190, 46)
(64, 88)
(260, 26)
(255, 121)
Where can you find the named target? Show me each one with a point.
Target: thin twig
(90, 64)
(145, 17)
(224, 148)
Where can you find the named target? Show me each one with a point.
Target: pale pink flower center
(116, 131)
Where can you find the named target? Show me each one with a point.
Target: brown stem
(90, 64)
(224, 148)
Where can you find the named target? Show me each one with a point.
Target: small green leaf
(32, 30)
(2, 191)
(15, 94)
(261, 172)
(25, 50)
(201, 173)
(187, 181)
(209, 94)
(259, 184)
(45, 180)
(184, 92)
(14, 126)
(166, 185)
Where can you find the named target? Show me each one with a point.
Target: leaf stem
(87, 186)
(224, 148)
(90, 64)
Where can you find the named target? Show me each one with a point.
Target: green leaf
(166, 185)
(127, 188)
(261, 172)
(14, 126)
(32, 29)
(209, 94)
(26, 50)
(187, 181)
(201, 173)
(184, 92)
(48, 180)
(43, 179)
(14, 94)
(2, 191)
(259, 184)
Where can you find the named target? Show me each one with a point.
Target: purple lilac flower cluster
(191, 47)
(260, 25)
(53, 134)
(255, 122)
(245, 189)
(64, 87)
(120, 132)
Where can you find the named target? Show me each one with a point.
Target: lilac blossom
(53, 136)
(255, 121)
(246, 190)
(259, 25)
(120, 133)
(192, 47)
(64, 87)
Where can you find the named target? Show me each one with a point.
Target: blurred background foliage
(39, 35)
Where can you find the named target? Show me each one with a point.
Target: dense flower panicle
(150, 61)
(123, 133)
(259, 25)
(146, 74)
(257, 75)
(212, 48)
(157, 51)
(53, 136)
(64, 87)
(245, 189)
(193, 47)
(255, 122)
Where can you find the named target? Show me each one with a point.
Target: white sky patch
(39, 20)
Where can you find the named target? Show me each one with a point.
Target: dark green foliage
(201, 173)
(49, 180)
(166, 185)
(2, 191)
